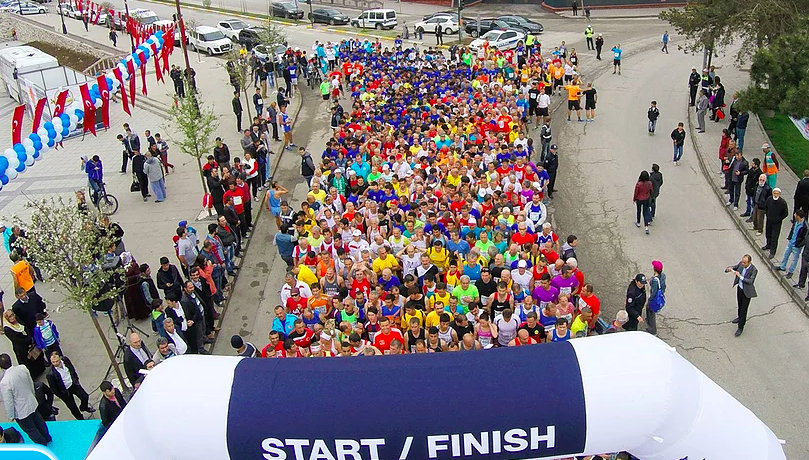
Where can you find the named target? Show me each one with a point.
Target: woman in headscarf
(136, 307)
(22, 343)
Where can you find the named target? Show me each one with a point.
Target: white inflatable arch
(620, 392)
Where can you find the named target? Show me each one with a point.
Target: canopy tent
(627, 391)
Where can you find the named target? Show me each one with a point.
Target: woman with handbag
(657, 296)
(23, 345)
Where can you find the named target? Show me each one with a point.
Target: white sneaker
(735, 208)
(728, 203)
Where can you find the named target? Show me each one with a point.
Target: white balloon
(8, 153)
(57, 124)
(29, 150)
(11, 173)
(43, 134)
(44, 148)
(98, 104)
(13, 161)
(29, 160)
(58, 137)
(74, 121)
(27, 143)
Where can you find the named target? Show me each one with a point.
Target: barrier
(627, 391)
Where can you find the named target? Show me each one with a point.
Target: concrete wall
(28, 31)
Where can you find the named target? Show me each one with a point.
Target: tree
(716, 24)
(239, 71)
(68, 245)
(191, 125)
(271, 35)
(779, 77)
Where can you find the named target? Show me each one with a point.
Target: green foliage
(779, 78)
(206, 3)
(271, 35)
(715, 24)
(69, 246)
(788, 142)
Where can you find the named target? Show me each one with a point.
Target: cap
(553, 146)
(536, 185)
(236, 341)
(182, 223)
(657, 265)
(356, 233)
(640, 278)
(437, 242)
(765, 145)
(351, 172)
(338, 170)
(164, 260)
(521, 264)
(385, 166)
(294, 291)
(776, 189)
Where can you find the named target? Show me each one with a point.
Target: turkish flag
(89, 110)
(98, 14)
(105, 100)
(156, 59)
(142, 58)
(16, 124)
(130, 67)
(38, 113)
(168, 47)
(61, 99)
(119, 76)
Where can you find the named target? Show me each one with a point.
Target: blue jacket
(39, 341)
(94, 171)
(287, 326)
(285, 244)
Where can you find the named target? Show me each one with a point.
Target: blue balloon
(146, 53)
(65, 119)
(20, 168)
(19, 148)
(51, 142)
(34, 137)
(51, 133)
(37, 146)
(48, 125)
(135, 60)
(95, 87)
(65, 131)
(4, 179)
(22, 156)
(3, 165)
(37, 153)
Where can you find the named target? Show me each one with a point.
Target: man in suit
(111, 405)
(745, 273)
(26, 307)
(135, 357)
(17, 391)
(776, 211)
(64, 381)
(194, 312)
(802, 193)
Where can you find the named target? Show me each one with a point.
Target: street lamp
(62, 16)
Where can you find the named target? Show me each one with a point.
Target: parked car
(209, 39)
(231, 28)
(521, 22)
(114, 22)
(502, 39)
(262, 52)
(249, 37)
(329, 16)
(163, 23)
(452, 14)
(69, 11)
(376, 19)
(471, 27)
(25, 8)
(286, 10)
(143, 16)
(448, 25)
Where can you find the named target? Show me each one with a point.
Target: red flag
(156, 60)
(105, 100)
(61, 99)
(130, 67)
(142, 58)
(119, 76)
(168, 46)
(16, 124)
(98, 14)
(38, 113)
(89, 110)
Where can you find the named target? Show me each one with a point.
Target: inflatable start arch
(620, 392)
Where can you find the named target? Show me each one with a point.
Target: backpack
(657, 302)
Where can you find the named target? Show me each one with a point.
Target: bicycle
(107, 204)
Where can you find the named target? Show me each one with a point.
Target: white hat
(356, 233)
(536, 185)
(521, 264)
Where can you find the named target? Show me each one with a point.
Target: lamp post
(311, 16)
(131, 38)
(62, 16)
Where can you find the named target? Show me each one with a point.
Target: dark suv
(286, 10)
(521, 22)
(486, 25)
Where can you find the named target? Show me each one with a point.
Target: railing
(102, 65)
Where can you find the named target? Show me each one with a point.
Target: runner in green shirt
(465, 292)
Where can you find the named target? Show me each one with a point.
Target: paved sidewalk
(706, 146)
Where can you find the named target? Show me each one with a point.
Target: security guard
(588, 32)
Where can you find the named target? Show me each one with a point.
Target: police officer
(599, 45)
(588, 32)
(693, 86)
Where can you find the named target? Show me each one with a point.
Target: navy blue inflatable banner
(453, 407)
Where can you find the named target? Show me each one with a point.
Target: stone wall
(29, 30)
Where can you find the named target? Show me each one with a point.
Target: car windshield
(214, 35)
(261, 49)
(237, 25)
(331, 12)
(492, 35)
(288, 6)
(146, 20)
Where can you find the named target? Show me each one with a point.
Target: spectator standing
(641, 197)
(796, 240)
(635, 301)
(657, 283)
(678, 140)
(111, 405)
(64, 381)
(776, 210)
(745, 277)
(19, 397)
(46, 336)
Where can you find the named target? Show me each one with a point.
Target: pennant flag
(130, 67)
(38, 113)
(142, 58)
(168, 47)
(98, 14)
(89, 110)
(105, 100)
(61, 99)
(119, 76)
(157, 71)
(16, 124)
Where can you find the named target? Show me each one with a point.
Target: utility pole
(124, 26)
(183, 41)
(62, 16)
(460, 21)
(311, 16)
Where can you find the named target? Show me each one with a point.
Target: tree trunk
(202, 178)
(110, 353)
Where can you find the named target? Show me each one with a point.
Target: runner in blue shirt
(616, 58)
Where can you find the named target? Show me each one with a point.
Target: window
(225, 25)
(390, 15)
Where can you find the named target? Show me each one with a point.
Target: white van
(209, 39)
(144, 16)
(376, 19)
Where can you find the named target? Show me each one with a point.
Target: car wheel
(332, 22)
(41, 11)
(474, 33)
(210, 52)
(378, 27)
(191, 45)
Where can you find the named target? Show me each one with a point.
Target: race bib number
(237, 200)
(565, 290)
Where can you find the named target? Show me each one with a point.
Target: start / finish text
(438, 446)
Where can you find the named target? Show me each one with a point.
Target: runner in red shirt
(522, 236)
(589, 299)
(384, 337)
(274, 349)
(302, 335)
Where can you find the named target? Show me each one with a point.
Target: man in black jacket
(111, 405)
(551, 164)
(135, 357)
(795, 242)
(635, 301)
(194, 312)
(750, 185)
(760, 196)
(138, 160)
(738, 169)
(64, 382)
(217, 190)
(693, 85)
(657, 182)
(776, 211)
(203, 291)
(237, 110)
(222, 153)
(169, 280)
(26, 307)
(802, 193)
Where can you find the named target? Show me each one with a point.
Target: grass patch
(67, 57)
(788, 142)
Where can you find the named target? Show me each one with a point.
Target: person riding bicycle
(95, 175)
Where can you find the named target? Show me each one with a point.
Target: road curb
(259, 212)
(748, 235)
(226, 12)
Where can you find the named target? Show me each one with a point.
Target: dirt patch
(74, 59)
